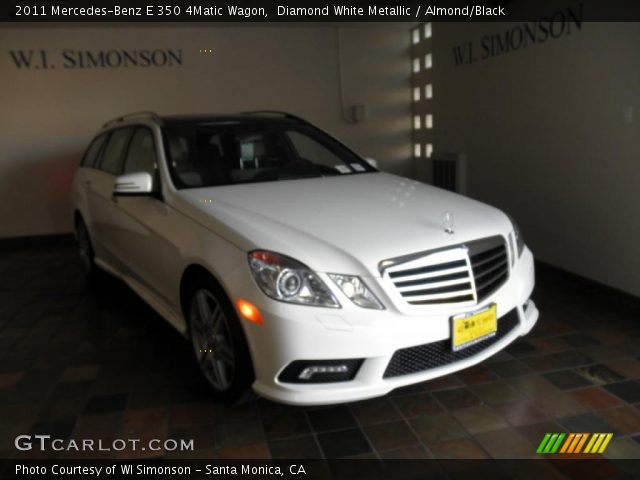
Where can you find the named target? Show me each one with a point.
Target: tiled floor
(86, 362)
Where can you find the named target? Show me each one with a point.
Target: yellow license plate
(473, 328)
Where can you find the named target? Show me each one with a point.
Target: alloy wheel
(211, 338)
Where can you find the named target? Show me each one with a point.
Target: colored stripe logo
(574, 443)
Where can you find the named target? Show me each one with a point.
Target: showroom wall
(551, 131)
(51, 109)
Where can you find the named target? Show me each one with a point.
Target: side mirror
(372, 162)
(133, 184)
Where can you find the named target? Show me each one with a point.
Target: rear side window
(93, 152)
(113, 155)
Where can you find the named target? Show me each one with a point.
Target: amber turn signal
(249, 311)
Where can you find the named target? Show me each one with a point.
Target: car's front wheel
(219, 343)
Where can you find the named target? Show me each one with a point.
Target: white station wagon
(295, 267)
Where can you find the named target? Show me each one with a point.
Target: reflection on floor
(85, 362)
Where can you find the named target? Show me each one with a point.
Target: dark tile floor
(96, 362)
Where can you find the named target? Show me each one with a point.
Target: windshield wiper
(299, 177)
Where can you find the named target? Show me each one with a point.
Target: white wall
(543, 131)
(48, 116)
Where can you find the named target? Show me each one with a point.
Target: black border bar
(272, 11)
(372, 469)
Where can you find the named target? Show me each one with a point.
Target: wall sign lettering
(515, 37)
(95, 59)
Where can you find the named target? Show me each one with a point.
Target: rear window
(92, 154)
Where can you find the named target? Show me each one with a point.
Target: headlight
(356, 290)
(518, 236)
(283, 278)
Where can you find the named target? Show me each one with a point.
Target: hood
(344, 223)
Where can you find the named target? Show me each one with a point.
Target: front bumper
(293, 332)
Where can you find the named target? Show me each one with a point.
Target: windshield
(235, 153)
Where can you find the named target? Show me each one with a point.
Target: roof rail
(276, 112)
(143, 113)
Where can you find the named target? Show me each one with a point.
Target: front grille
(462, 273)
(490, 269)
(436, 354)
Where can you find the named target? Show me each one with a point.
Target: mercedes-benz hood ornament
(448, 222)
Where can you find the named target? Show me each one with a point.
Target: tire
(218, 342)
(85, 250)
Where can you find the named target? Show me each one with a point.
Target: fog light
(321, 371)
(309, 372)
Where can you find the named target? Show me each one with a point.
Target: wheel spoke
(203, 356)
(220, 372)
(203, 306)
(198, 327)
(217, 320)
(224, 352)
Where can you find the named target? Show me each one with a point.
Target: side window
(182, 160)
(198, 158)
(141, 156)
(113, 155)
(93, 152)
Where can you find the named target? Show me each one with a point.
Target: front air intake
(437, 354)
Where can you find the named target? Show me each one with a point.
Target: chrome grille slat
(488, 290)
(443, 277)
(434, 291)
(477, 264)
(421, 286)
(444, 273)
(493, 268)
(483, 285)
(431, 268)
(435, 301)
(440, 296)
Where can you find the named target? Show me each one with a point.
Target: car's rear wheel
(219, 343)
(85, 249)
